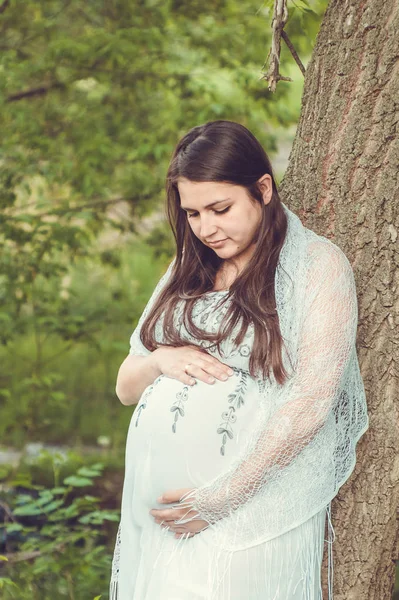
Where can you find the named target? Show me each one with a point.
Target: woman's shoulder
(326, 257)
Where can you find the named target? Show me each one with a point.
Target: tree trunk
(342, 181)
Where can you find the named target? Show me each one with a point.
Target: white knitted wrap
(303, 448)
(303, 445)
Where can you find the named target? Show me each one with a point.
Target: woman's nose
(207, 227)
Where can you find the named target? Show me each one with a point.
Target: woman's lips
(218, 243)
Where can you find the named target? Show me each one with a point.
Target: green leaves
(84, 476)
(75, 481)
(100, 84)
(62, 533)
(93, 471)
(98, 517)
(6, 583)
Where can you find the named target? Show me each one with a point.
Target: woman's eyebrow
(206, 206)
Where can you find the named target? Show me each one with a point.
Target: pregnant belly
(183, 436)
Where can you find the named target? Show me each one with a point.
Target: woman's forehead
(205, 192)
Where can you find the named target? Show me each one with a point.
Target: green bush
(58, 386)
(58, 538)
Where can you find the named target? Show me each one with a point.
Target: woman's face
(223, 216)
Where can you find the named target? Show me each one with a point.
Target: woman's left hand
(166, 517)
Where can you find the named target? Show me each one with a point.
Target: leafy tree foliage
(94, 96)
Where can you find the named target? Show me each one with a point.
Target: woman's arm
(137, 372)
(134, 375)
(139, 369)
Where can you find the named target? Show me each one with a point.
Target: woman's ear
(266, 186)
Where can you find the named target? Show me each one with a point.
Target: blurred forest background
(94, 97)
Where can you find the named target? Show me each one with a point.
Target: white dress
(182, 437)
(265, 460)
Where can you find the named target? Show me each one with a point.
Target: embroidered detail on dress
(144, 398)
(178, 407)
(236, 400)
(244, 350)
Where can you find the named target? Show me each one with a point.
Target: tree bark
(343, 182)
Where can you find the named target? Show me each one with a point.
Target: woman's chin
(224, 251)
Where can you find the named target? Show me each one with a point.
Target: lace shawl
(303, 446)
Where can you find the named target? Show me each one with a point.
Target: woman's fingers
(199, 373)
(182, 375)
(189, 363)
(186, 378)
(176, 529)
(189, 372)
(217, 371)
(212, 367)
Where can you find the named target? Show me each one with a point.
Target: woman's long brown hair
(223, 151)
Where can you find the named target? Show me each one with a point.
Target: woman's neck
(226, 275)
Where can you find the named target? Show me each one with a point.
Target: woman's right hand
(188, 362)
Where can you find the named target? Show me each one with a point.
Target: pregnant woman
(249, 397)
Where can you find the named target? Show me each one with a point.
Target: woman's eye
(217, 212)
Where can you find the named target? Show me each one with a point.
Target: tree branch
(22, 556)
(14, 557)
(293, 52)
(40, 91)
(96, 203)
(280, 17)
(7, 510)
(5, 5)
(78, 207)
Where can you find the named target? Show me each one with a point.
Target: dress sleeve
(293, 462)
(136, 346)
